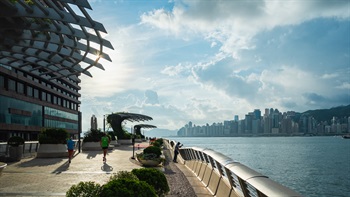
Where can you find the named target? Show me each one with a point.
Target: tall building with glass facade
(44, 47)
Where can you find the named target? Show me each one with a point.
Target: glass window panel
(2, 81)
(36, 93)
(43, 96)
(29, 91)
(48, 97)
(20, 88)
(11, 85)
(30, 114)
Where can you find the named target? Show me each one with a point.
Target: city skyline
(271, 123)
(205, 60)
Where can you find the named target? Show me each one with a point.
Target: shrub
(123, 175)
(153, 177)
(93, 135)
(84, 189)
(53, 136)
(127, 188)
(111, 134)
(127, 135)
(160, 141)
(15, 141)
(156, 143)
(153, 149)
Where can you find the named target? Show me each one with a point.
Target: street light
(133, 142)
(104, 123)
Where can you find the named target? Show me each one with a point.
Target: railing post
(36, 147)
(30, 148)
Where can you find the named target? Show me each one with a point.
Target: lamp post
(133, 143)
(104, 123)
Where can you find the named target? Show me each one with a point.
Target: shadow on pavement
(62, 168)
(40, 162)
(92, 154)
(106, 167)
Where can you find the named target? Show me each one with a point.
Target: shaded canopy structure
(137, 128)
(45, 46)
(49, 39)
(115, 121)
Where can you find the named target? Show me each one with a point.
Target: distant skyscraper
(93, 123)
(266, 112)
(257, 114)
(236, 118)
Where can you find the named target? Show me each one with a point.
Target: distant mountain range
(328, 114)
(161, 133)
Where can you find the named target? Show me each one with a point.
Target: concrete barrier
(214, 181)
(2, 167)
(224, 188)
(52, 151)
(202, 171)
(207, 175)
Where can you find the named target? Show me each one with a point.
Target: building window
(43, 96)
(11, 85)
(20, 88)
(29, 91)
(2, 82)
(36, 93)
(19, 72)
(48, 97)
(55, 100)
(20, 112)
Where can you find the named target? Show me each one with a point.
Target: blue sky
(207, 60)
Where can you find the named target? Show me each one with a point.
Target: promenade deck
(54, 176)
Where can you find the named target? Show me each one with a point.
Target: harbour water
(312, 166)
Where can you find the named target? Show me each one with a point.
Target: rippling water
(312, 166)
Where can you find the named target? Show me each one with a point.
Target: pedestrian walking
(104, 142)
(70, 147)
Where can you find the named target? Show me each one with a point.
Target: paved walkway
(54, 176)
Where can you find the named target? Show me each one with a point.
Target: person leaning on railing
(176, 151)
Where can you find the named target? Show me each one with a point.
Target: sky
(206, 61)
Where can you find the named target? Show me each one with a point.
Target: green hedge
(93, 135)
(84, 189)
(144, 182)
(153, 149)
(15, 141)
(53, 136)
(153, 177)
(127, 188)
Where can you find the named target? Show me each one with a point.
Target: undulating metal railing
(224, 177)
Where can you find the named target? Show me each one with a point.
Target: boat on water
(346, 136)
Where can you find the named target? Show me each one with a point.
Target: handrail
(29, 148)
(225, 177)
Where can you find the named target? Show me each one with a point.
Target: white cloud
(205, 61)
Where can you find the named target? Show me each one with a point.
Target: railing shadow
(40, 162)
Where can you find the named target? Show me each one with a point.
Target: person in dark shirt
(177, 151)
